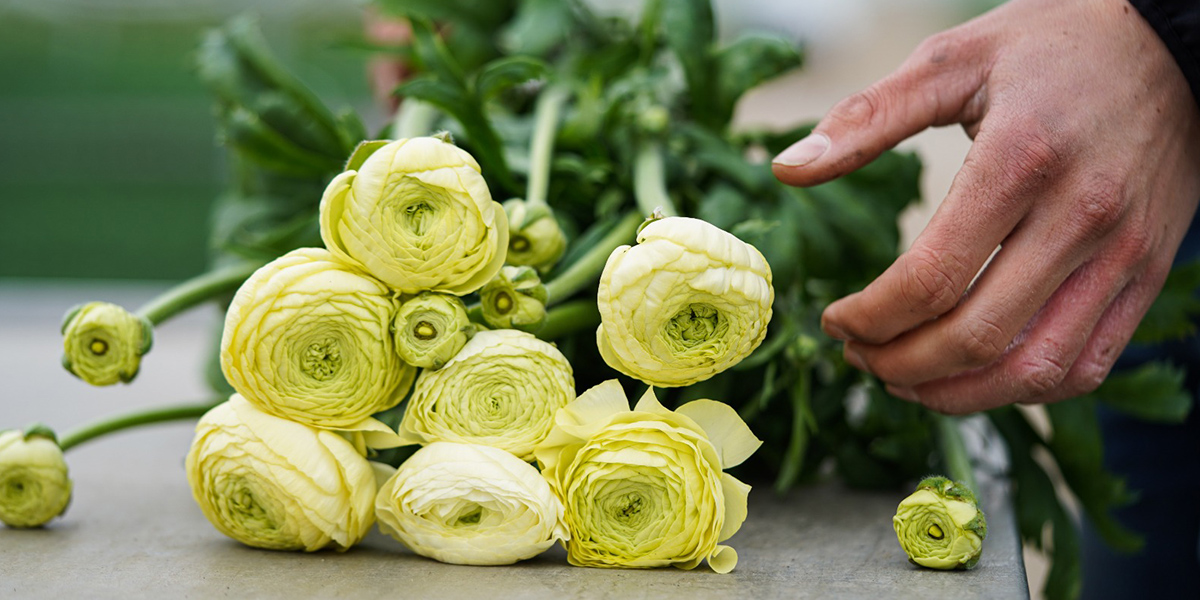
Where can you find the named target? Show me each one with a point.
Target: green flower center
(322, 360)
(471, 516)
(518, 243)
(98, 347)
(504, 303)
(424, 330)
(418, 217)
(696, 324)
(935, 532)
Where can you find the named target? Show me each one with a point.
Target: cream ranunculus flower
(501, 390)
(431, 328)
(515, 299)
(272, 483)
(940, 525)
(646, 488)
(687, 302)
(535, 239)
(469, 504)
(103, 343)
(418, 216)
(34, 486)
(308, 339)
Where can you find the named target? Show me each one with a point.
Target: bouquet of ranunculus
(559, 203)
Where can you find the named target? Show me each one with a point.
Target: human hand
(1085, 170)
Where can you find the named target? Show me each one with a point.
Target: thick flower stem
(195, 291)
(104, 427)
(954, 451)
(802, 417)
(572, 317)
(587, 269)
(413, 119)
(650, 182)
(541, 149)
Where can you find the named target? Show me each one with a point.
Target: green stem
(103, 427)
(413, 119)
(541, 149)
(587, 269)
(954, 451)
(195, 291)
(650, 181)
(793, 460)
(572, 317)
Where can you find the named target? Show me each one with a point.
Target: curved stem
(569, 318)
(588, 268)
(650, 181)
(541, 149)
(413, 119)
(954, 451)
(195, 291)
(103, 427)
(802, 419)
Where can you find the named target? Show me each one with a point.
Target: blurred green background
(108, 161)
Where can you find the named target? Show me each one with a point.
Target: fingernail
(804, 151)
(854, 358)
(904, 393)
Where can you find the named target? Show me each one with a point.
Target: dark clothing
(1177, 22)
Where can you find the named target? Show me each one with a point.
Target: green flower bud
(535, 239)
(104, 343)
(34, 486)
(430, 329)
(515, 299)
(940, 525)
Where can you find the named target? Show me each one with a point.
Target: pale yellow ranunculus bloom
(515, 299)
(272, 483)
(940, 525)
(469, 504)
(34, 486)
(103, 343)
(418, 216)
(535, 239)
(501, 390)
(646, 487)
(431, 328)
(687, 302)
(309, 339)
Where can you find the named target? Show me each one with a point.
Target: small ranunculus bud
(418, 216)
(515, 299)
(646, 487)
(687, 302)
(534, 238)
(431, 328)
(103, 343)
(501, 390)
(469, 504)
(34, 486)
(272, 483)
(940, 525)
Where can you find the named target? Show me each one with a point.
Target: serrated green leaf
(749, 61)
(1152, 392)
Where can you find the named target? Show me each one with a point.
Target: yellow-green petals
(469, 504)
(535, 239)
(34, 487)
(431, 328)
(515, 299)
(103, 343)
(418, 216)
(501, 390)
(687, 302)
(308, 339)
(940, 525)
(272, 483)
(646, 487)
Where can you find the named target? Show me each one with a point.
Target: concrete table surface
(133, 530)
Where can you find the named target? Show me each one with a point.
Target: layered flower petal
(535, 239)
(515, 299)
(431, 328)
(34, 487)
(940, 525)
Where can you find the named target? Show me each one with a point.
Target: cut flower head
(104, 343)
(417, 215)
(646, 487)
(940, 525)
(34, 487)
(687, 302)
(535, 239)
(272, 483)
(469, 504)
(430, 329)
(515, 299)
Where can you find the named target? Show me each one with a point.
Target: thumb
(939, 84)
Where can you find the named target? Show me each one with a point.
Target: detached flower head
(430, 329)
(272, 483)
(535, 239)
(34, 486)
(418, 216)
(103, 343)
(468, 504)
(515, 299)
(687, 302)
(940, 525)
(501, 390)
(308, 339)
(645, 488)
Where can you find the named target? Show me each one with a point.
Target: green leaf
(362, 152)
(503, 73)
(538, 27)
(1152, 392)
(1173, 314)
(690, 30)
(749, 61)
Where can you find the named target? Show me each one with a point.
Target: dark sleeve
(1178, 24)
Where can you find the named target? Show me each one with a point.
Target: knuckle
(1087, 376)
(1030, 155)
(929, 286)
(1100, 208)
(938, 49)
(1044, 376)
(979, 341)
(861, 109)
